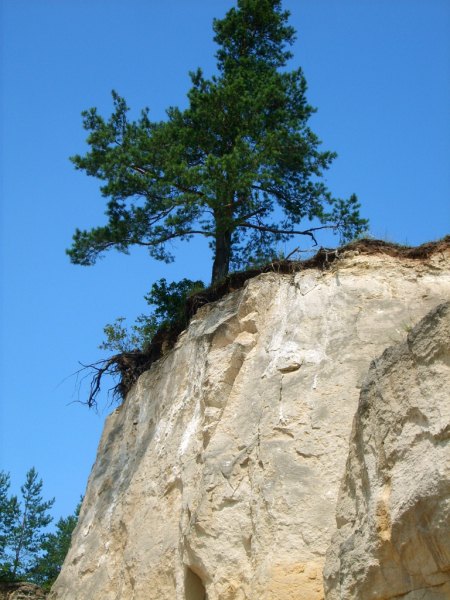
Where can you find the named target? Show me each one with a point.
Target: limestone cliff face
(218, 477)
(393, 512)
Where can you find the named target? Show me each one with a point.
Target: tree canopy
(28, 552)
(22, 526)
(239, 165)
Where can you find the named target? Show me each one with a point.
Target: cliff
(393, 538)
(218, 477)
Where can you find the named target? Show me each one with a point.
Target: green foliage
(23, 525)
(120, 339)
(54, 548)
(27, 551)
(169, 300)
(9, 516)
(239, 165)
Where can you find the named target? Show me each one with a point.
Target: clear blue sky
(379, 74)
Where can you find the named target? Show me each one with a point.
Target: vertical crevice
(193, 586)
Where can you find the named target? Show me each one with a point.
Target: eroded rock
(219, 474)
(393, 515)
(20, 590)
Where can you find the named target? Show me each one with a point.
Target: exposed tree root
(128, 366)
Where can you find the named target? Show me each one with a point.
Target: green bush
(169, 300)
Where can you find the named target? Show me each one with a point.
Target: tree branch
(250, 215)
(288, 232)
(267, 190)
(179, 187)
(161, 215)
(171, 236)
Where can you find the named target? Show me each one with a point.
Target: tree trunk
(18, 549)
(222, 256)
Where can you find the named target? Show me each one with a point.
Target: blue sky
(379, 74)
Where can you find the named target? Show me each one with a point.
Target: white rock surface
(393, 513)
(218, 477)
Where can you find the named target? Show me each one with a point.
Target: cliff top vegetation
(128, 365)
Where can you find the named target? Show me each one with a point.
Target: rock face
(21, 591)
(218, 477)
(393, 512)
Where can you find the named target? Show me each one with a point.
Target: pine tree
(9, 515)
(26, 528)
(240, 166)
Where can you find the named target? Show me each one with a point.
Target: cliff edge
(218, 477)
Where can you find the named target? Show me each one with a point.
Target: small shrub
(169, 300)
